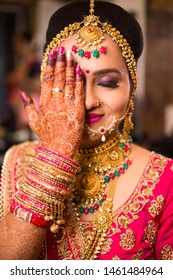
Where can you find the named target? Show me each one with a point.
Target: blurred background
(23, 25)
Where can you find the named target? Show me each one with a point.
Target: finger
(70, 78)
(48, 77)
(78, 91)
(59, 74)
(30, 110)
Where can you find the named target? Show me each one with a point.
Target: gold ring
(57, 90)
(71, 97)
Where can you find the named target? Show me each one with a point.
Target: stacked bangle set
(49, 180)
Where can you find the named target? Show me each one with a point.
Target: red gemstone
(86, 211)
(104, 197)
(103, 50)
(74, 48)
(129, 161)
(127, 148)
(111, 175)
(121, 170)
(90, 29)
(87, 54)
(96, 206)
(102, 129)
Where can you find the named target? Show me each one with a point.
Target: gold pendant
(103, 219)
(88, 185)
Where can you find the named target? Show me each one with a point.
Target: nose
(90, 97)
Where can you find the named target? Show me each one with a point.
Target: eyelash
(108, 85)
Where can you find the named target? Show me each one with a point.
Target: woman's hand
(60, 120)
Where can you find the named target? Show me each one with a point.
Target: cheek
(118, 103)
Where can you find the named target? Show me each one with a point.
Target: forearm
(20, 240)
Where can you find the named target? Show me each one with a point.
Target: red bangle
(27, 216)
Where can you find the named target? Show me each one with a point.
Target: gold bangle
(58, 158)
(47, 187)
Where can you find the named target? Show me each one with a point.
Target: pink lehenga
(142, 228)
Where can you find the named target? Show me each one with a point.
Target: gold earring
(128, 124)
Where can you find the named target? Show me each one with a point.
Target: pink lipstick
(93, 118)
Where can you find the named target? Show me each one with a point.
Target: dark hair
(108, 12)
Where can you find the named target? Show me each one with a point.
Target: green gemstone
(91, 209)
(101, 202)
(81, 52)
(81, 209)
(96, 53)
(107, 179)
(122, 144)
(125, 166)
(116, 173)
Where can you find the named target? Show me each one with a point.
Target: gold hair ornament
(90, 33)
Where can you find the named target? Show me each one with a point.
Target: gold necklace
(98, 167)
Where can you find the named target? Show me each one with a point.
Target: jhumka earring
(128, 124)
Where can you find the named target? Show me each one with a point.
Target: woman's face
(106, 79)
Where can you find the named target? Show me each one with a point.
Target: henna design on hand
(60, 121)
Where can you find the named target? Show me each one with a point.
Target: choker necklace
(98, 167)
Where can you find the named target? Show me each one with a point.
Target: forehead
(112, 58)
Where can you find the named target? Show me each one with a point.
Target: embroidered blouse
(142, 228)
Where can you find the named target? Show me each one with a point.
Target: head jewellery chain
(89, 41)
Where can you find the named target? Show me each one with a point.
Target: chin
(90, 142)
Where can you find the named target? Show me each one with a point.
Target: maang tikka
(90, 37)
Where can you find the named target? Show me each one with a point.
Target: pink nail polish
(26, 99)
(53, 54)
(23, 95)
(78, 70)
(61, 49)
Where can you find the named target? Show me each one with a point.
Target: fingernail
(51, 59)
(53, 54)
(61, 54)
(25, 98)
(61, 49)
(69, 58)
(78, 70)
(79, 76)
(69, 55)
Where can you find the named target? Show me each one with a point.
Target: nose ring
(98, 103)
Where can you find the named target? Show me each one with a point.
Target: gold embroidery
(156, 206)
(15, 162)
(123, 217)
(167, 254)
(150, 233)
(127, 240)
(116, 258)
(107, 246)
(63, 252)
(138, 255)
(127, 213)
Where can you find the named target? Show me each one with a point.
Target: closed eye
(111, 84)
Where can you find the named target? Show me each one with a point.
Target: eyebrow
(106, 71)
